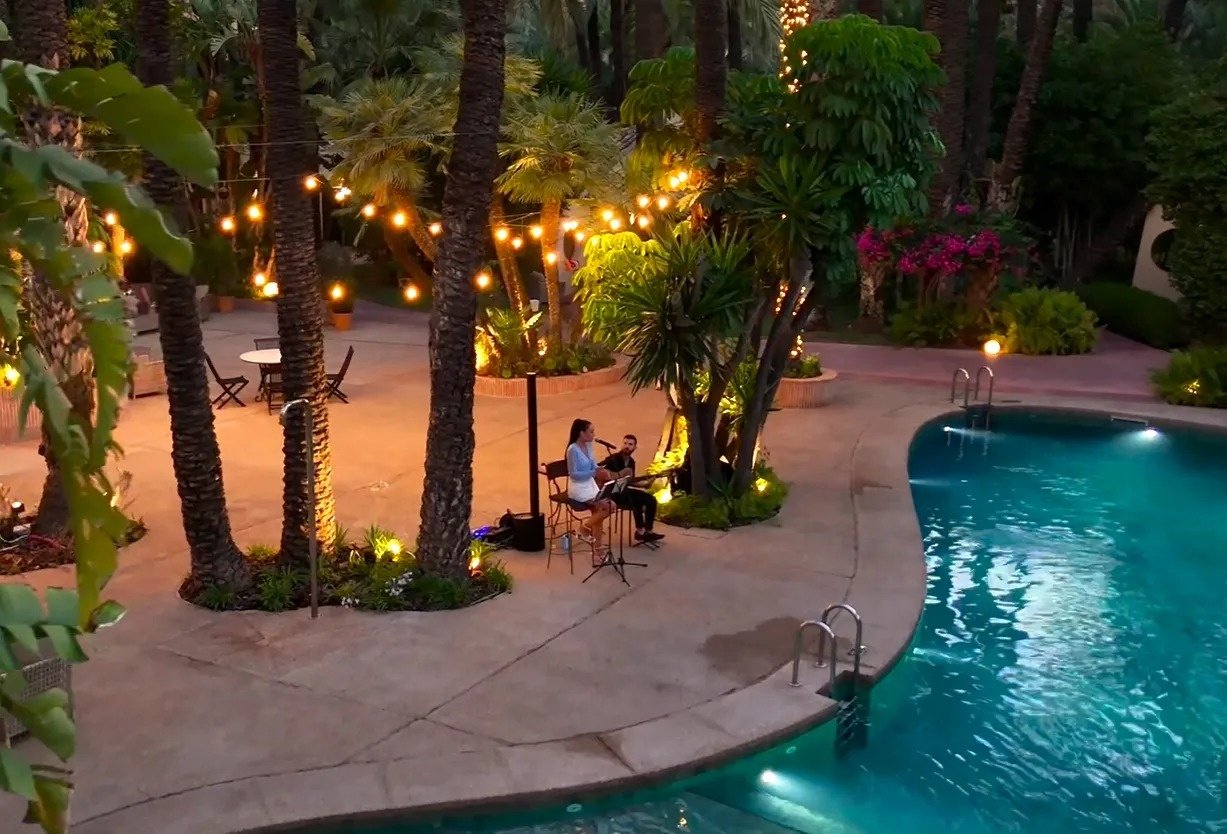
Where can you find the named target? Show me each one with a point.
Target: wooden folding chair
(335, 380)
(230, 385)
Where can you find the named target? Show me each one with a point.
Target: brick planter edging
(805, 393)
(492, 386)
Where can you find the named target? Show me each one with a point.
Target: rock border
(517, 387)
(805, 393)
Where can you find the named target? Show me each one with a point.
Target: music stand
(619, 564)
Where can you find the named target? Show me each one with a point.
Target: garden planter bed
(516, 387)
(805, 393)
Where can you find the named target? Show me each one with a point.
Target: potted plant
(803, 383)
(341, 305)
(336, 267)
(216, 267)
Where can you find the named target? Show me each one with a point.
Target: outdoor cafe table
(268, 359)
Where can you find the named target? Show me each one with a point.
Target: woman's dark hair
(578, 427)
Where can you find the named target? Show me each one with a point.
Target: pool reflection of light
(1150, 433)
(769, 778)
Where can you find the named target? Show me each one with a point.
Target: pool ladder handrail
(992, 377)
(954, 383)
(971, 394)
(828, 616)
(799, 644)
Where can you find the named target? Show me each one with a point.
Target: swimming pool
(1069, 675)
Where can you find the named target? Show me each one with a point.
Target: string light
(517, 242)
(682, 176)
(99, 247)
(436, 229)
(259, 279)
(483, 280)
(607, 215)
(662, 202)
(342, 194)
(126, 247)
(570, 225)
(110, 218)
(643, 200)
(501, 233)
(551, 258)
(255, 212)
(412, 293)
(579, 236)
(368, 211)
(399, 220)
(227, 224)
(311, 182)
(11, 376)
(644, 221)
(616, 223)
(536, 232)
(270, 290)
(674, 182)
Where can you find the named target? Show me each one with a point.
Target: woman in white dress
(584, 479)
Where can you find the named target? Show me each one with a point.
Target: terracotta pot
(805, 393)
(224, 303)
(342, 321)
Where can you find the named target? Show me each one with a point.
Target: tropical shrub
(506, 348)
(1189, 160)
(1039, 321)
(1195, 377)
(1136, 314)
(940, 324)
(722, 510)
(804, 366)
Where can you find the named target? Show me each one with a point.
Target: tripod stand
(618, 563)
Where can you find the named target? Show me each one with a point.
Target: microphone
(606, 444)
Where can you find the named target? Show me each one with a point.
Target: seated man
(641, 503)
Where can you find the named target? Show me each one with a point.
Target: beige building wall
(1148, 275)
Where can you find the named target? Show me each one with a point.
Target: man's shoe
(649, 536)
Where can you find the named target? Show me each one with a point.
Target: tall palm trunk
(43, 40)
(1173, 16)
(447, 492)
(651, 29)
(617, 51)
(551, 212)
(403, 255)
(948, 20)
(594, 42)
(711, 68)
(1084, 13)
(300, 309)
(1002, 193)
(736, 60)
(1024, 21)
(419, 232)
(513, 281)
(870, 8)
(195, 456)
(980, 113)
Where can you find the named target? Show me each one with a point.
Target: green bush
(1199, 272)
(806, 366)
(215, 264)
(720, 512)
(1195, 377)
(940, 324)
(1040, 321)
(1136, 314)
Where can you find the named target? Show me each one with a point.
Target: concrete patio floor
(197, 722)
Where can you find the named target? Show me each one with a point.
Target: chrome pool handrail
(954, 382)
(828, 616)
(799, 643)
(991, 379)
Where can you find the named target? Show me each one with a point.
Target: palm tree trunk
(419, 232)
(651, 29)
(711, 68)
(870, 8)
(1024, 18)
(823, 10)
(575, 11)
(507, 263)
(551, 212)
(1173, 16)
(980, 113)
(617, 49)
(43, 40)
(1084, 13)
(594, 42)
(300, 309)
(447, 492)
(215, 559)
(1095, 254)
(949, 20)
(404, 258)
(736, 60)
(1002, 193)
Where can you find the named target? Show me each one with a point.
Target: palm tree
(1024, 17)
(43, 40)
(1018, 133)
(215, 559)
(384, 137)
(1173, 16)
(651, 29)
(870, 8)
(711, 66)
(1084, 12)
(980, 107)
(947, 19)
(558, 147)
(447, 491)
(300, 310)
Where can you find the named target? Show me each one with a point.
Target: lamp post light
(312, 556)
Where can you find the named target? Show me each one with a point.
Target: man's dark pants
(641, 504)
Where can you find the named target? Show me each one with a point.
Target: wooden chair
(230, 385)
(270, 375)
(335, 380)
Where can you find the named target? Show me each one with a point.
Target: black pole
(534, 495)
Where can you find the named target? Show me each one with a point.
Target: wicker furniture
(41, 676)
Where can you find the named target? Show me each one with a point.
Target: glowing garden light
(683, 175)
(991, 348)
(662, 202)
(616, 223)
(436, 229)
(517, 242)
(607, 215)
(311, 182)
(474, 564)
(394, 547)
(579, 236)
(11, 376)
(110, 218)
(570, 225)
(643, 200)
(412, 293)
(126, 247)
(259, 279)
(502, 233)
(227, 224)
(644, 221)
(254, 212)
(551, 258)
(536, 232)
(368, 211)
(270, 290)
(336, 292)
(99, 247)
(399, 219)
(483, 280)
(342, 194)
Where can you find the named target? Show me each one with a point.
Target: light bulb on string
(254, 212)
(368, 211)
(683, 175)
(311, 182)
(536, 232)
(551, 258)
(643, 200)
(616, 223)
(110, 218)
(342, 194)
(570, 225)
(126, 247)
(436, 229)
(607, 215)
(412, 293)
(259, 279)
(483, 280)
(99, 247)
(227, 224)
(674, 182)
(270, 290)
(579, 236)
(662, 202)
(502, 233)
(644, 221)
(399, 219)
(517, 242)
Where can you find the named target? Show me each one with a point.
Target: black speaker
(528, 532)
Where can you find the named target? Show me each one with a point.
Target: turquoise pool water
(1070, 671)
